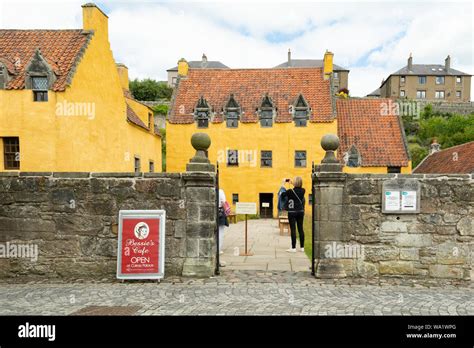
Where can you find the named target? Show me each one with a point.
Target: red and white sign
(141, 244)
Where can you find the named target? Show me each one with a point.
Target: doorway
(266, 205)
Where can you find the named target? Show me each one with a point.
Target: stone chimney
(204, 60)
(94, 19)
(447, 63)
(410, 63)
(327, 64)
(289, 57)
(434, 147)
(183, 67)
(123, 75)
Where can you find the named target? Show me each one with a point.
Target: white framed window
(458, 94)
(336, 75)
(402, 79)
(439, 94)
(420, 94)
(458, 79)
(440, 80)
(402, 93)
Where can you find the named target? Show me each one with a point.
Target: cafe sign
(141, 244)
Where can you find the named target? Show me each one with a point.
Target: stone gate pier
(354, 238)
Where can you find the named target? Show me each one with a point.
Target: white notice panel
(409, 200)
(246, 208)
(392, 200)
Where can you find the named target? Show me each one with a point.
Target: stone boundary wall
(73, 217)
(436, 243)
(465, 108)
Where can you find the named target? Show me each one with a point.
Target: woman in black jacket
(295, 206)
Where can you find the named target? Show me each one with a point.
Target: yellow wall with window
(103, 141)
(249, 179)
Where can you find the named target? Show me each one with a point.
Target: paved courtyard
(266, 244)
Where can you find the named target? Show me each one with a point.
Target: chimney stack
(410, 63)
(183, 67)
(434, 147)
(289, 57)
(93, 18)
(123, 75)
(327, 64)
(447, 63)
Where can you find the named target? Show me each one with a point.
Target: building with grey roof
(194, 64)
(433, 82)
(340, 74)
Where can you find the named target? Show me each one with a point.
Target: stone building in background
(431, 82)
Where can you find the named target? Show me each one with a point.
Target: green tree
(161, 109)
(149, 90)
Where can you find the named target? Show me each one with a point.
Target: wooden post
(246, 253)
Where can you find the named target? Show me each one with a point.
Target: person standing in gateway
(295, 206)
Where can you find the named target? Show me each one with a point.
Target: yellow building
(266, 125)
(65, 104)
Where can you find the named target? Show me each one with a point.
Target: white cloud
(371, 39)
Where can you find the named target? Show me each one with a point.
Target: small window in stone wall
(235, 198)
(152, 166)
(393, 170)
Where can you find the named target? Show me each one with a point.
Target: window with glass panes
(421, 80)
(266, 158)
(301, 112)
(440, 80)
(300, 158)
(232, 119)
(11, 152)
(266, 112)
(420, 94)
(39, 85)
(232, 157)
(202, 113)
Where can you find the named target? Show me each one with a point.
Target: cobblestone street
(238, 293)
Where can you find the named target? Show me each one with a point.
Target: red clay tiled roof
(133, 118)
(454, 160)
(62, 49)
(249, 86)
(378, 138)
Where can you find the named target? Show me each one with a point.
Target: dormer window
(266, 112)
(39, 85)
(202, 113)
(352, 157)
(40, 77)
(301, 112)
(232, 113)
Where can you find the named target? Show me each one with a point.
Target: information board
(246, 208)
(141, 244)
(401, 196)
